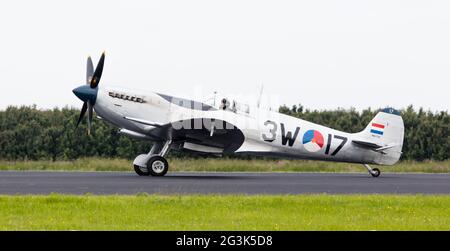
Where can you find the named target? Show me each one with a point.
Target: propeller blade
(90, 112)
(89, 71)
(83, 111)
(98, 72)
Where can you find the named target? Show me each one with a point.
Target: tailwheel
(375, 172)
(157, 166)
(141, 171)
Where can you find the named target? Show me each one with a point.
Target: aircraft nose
(85, 93)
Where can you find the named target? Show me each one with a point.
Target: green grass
(225, 165)
(225, 212)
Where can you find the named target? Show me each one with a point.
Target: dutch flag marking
(377, 128)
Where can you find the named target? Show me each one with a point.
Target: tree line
(28, 133)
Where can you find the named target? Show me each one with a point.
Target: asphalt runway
(37, 182)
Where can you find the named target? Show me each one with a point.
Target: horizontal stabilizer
(381, 149)
(373, 146)
(367, 144)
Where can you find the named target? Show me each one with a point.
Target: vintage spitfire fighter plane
(224, 126)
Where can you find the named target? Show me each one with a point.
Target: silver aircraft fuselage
(243, 129)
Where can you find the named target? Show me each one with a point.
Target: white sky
(323, 54)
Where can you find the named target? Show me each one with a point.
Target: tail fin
(384, 134)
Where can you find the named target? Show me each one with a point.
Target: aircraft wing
(144, 122)
(218, 137)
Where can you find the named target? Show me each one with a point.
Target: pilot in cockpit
(225, 105)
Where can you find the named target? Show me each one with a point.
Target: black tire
(375, 172)
(141, 171)
(157, 166)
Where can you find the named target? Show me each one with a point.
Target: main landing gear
(375, 172)
(153, 163)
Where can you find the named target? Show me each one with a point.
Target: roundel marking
(313, 140)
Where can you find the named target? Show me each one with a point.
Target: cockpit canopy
(228, 104)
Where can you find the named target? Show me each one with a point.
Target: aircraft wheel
(375, 172)
(141, 171)
(157, 166)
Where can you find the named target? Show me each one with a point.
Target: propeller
(88, 92)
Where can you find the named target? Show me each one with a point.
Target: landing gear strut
(153, 163)
(375, 172)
